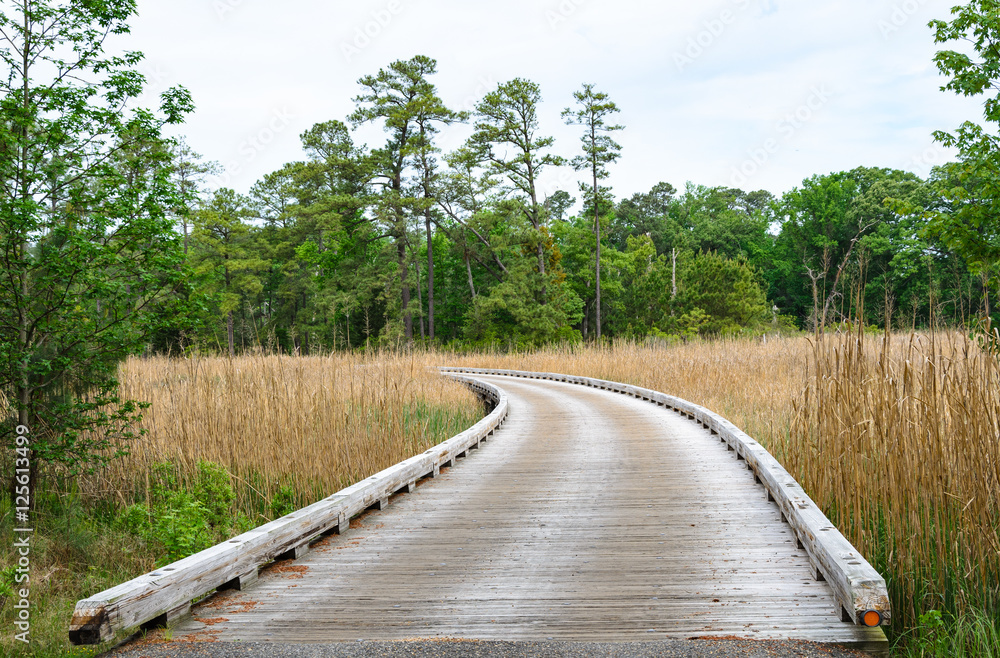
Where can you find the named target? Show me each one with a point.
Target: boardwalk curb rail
(859, 588)
(166, 593)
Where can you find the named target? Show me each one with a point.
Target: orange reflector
(872, 618)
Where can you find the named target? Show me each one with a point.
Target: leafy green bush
(182, 526)
(213, 489)
(975, 634)
(136, 519)
(6, 584)
(284, 501)
(932, 635)
(185, 522)
(242, 523)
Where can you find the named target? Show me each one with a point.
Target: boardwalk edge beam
(151, 596)
(858, 587)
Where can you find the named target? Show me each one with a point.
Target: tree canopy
(400, 243)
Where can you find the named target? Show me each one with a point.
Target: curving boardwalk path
(589, 516)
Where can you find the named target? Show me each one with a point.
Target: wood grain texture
(589, 516)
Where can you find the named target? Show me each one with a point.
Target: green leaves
(184, 520)
(599, 149)
(175, 104)
(978, 24)
(87, 250)
(967, 223)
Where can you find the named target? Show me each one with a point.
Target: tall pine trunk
(597, 229)
(23, 390)
(468, 271)
(430, 276)
(420, 301)
(537, 223)
(404, 276)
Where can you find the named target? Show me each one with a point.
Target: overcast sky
(757, 94)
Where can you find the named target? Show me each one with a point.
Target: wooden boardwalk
(589, 516)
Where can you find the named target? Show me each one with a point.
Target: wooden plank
(158, 593)
(860, 589)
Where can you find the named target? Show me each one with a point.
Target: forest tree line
(400, 243)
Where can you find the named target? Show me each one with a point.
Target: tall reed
(316, 424)
(898, 438)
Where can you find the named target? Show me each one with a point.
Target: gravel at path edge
(445, 648)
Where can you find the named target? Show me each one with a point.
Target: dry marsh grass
(317, 424)
(899, 437)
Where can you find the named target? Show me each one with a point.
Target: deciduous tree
(87, 250)
(970, 221)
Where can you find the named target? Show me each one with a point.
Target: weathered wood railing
(166, 593)
(860, 590)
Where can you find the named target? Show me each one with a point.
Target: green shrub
(932, 635)
(181, 525)
(6, 584)
(284, 501)
(974, 634)
(214, 490)
(242, 523)
(185, 522)
(136, 519)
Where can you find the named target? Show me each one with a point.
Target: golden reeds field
(317, 424)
